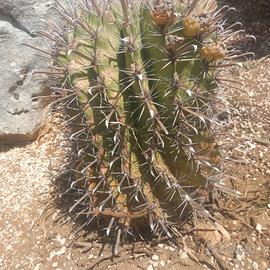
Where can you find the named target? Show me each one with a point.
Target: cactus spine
(138, 83)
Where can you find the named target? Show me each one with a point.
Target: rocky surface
(21, 115)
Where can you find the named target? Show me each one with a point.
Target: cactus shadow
(64, 199)
(255, 19)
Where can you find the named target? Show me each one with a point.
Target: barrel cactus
(137, 81)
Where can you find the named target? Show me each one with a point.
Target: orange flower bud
(191, 27)
(215, 51)
(163, 18)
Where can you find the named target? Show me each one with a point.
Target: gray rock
(21, 116)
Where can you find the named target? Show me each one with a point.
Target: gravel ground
(24, 192)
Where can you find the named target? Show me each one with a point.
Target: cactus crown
(138, 82)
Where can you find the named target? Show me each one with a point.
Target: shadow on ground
(255, 18)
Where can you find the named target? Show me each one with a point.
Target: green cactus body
(141, 76)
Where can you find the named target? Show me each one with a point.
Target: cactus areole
(138, 80)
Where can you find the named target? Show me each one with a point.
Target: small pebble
(37, 267)
(60, 239)
(255, 265)
(183, 255)
(150, 267)
(91, 256)
(155, 258)
(162, 263)
(259, 227)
